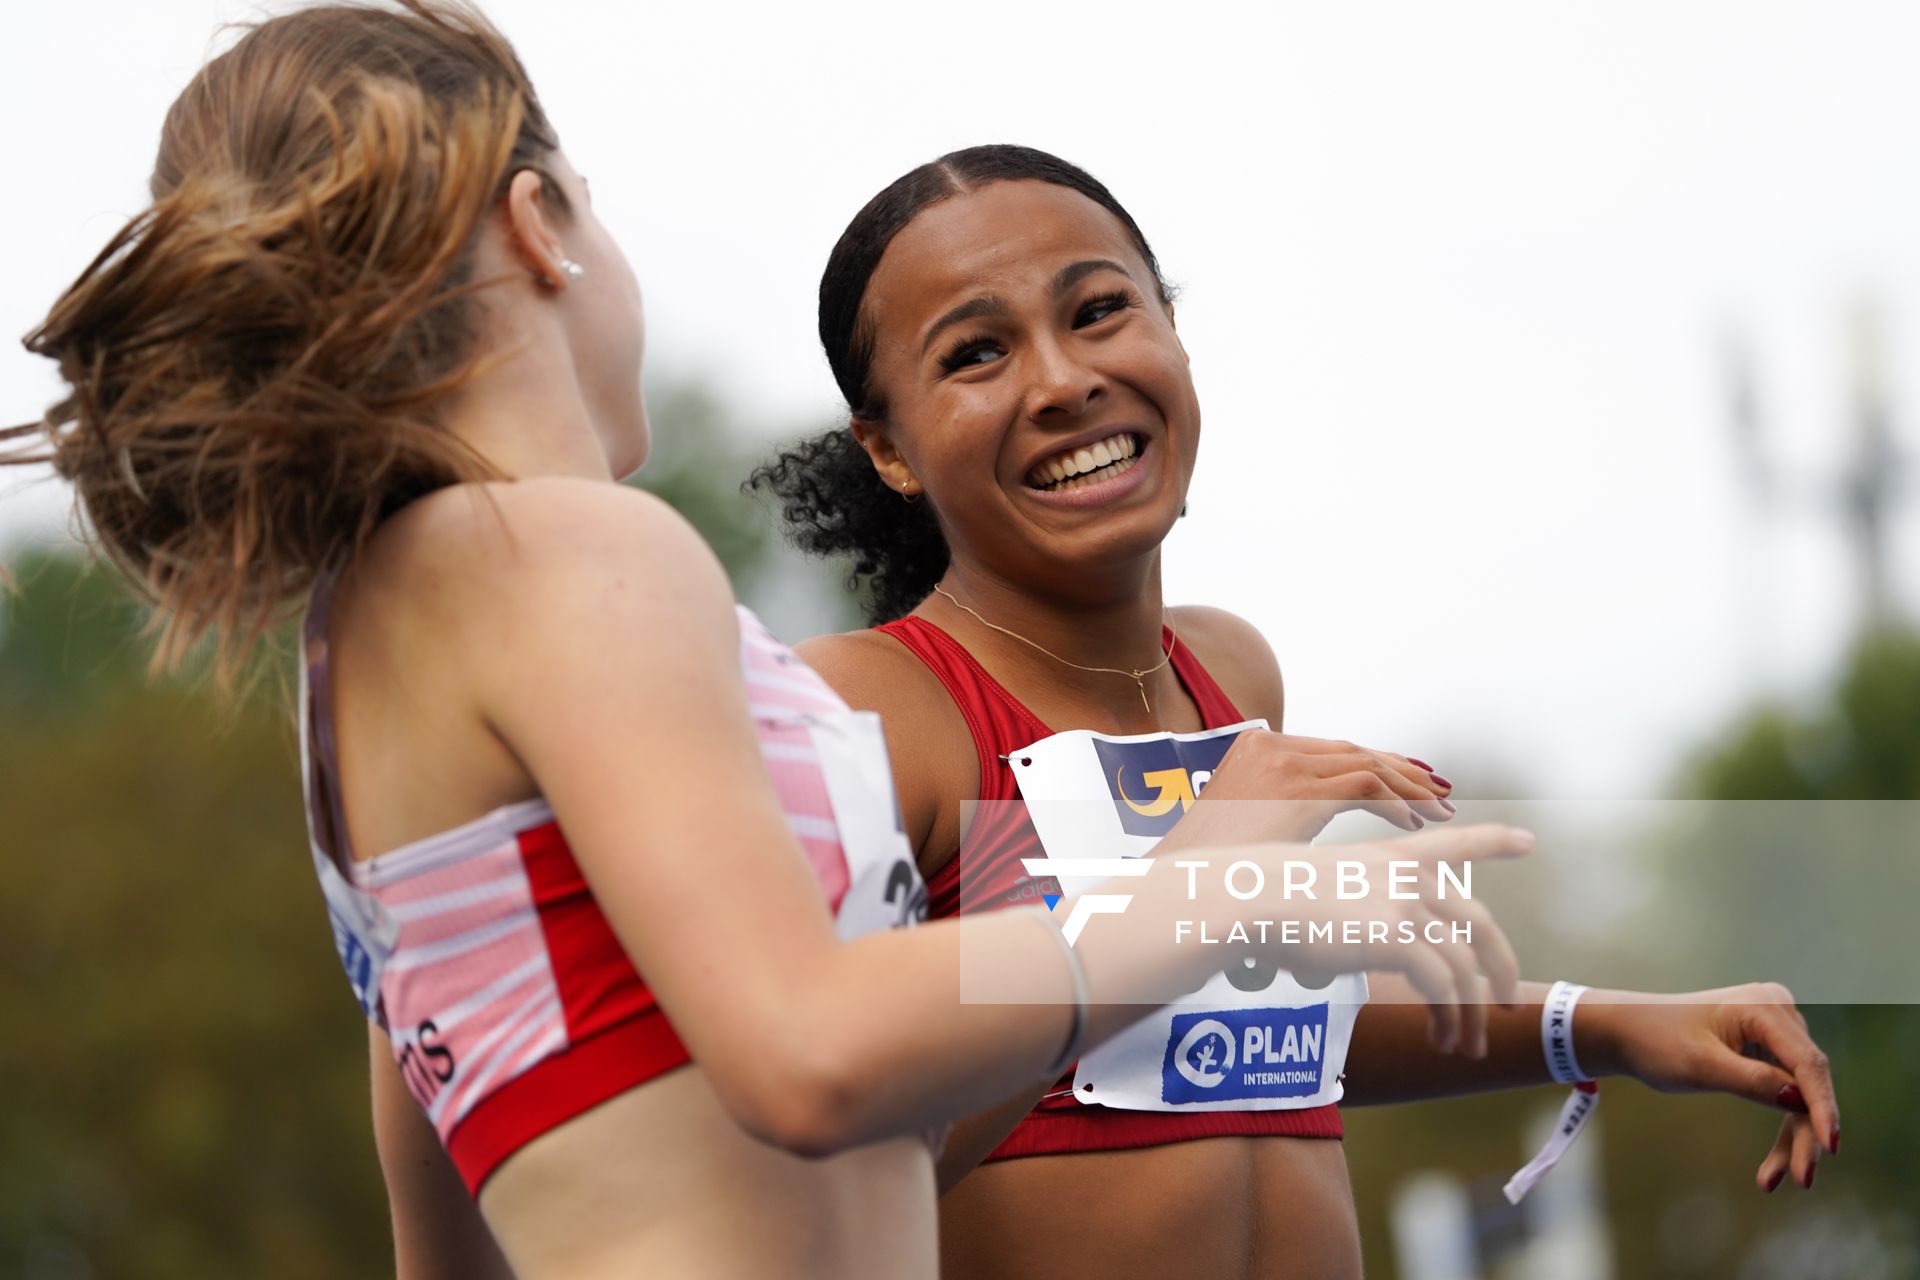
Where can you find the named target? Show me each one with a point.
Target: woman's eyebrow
(986, 304)
(1069, 276)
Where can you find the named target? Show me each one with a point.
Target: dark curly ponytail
(834, 504)
(832, 500)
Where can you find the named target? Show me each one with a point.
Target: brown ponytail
(255, 362)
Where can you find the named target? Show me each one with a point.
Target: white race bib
(884, 888)
(1252, 1040)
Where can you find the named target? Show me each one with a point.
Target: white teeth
(1096, 476)
(1085, 465)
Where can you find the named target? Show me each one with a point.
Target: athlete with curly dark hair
(1022, 432)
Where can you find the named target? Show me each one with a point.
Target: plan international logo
(1233, 1055)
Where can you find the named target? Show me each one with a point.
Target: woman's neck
(526, 414)
(1037, 639)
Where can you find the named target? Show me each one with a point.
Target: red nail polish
(1774, 1182)
(1420, 764)
(1789, 1099)
(1447, 804)
(1833, 1140)
(1811, 1170)
(1440, 780)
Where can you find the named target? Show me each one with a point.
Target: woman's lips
(1084, 461)
(1104, 484)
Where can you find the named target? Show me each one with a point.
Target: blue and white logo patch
(357, 961)
(1229, 1055)
(1154, 781)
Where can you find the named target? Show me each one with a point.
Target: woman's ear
(531, 232)
(892, 468)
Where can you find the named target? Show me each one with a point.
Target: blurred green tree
(1859, 742)
(1677, 1169)
(184, 1077)
(697, 464)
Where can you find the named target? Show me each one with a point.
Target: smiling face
(1033, 384)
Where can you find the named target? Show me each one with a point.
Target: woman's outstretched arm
(610, 668)
(1749, 1041)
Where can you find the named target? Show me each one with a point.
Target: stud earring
(573, 269)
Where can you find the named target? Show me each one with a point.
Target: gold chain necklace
(1139, 678)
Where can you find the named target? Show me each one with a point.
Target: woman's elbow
(814, 1102)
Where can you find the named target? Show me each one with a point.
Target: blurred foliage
(184, 1068)
(697, 465)
(1862, 744)
(1678, 1170)
(184, 1072)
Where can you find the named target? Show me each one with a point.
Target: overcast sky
(1455, 284)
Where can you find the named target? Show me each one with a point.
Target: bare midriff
(662, 1181)
(1231, 1208)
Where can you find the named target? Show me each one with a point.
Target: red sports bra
(1000, 838)
(511, 1005)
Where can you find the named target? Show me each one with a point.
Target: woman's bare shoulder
(874, 672)
(1237, 656)
(934, 762)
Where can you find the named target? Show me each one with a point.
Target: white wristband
(1574, 1115)
(1556, 1032)
(1082, 997)
(1556, 1042)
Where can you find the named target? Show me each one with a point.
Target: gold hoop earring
(909, 498)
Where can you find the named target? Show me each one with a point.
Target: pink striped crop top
(481, 951)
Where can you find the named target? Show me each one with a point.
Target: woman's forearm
(866, 1052)
(972, 1046)
(1391, 1059)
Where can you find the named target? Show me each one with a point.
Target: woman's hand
(1408, 921)
(1316, 778)
(1750, 1041)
